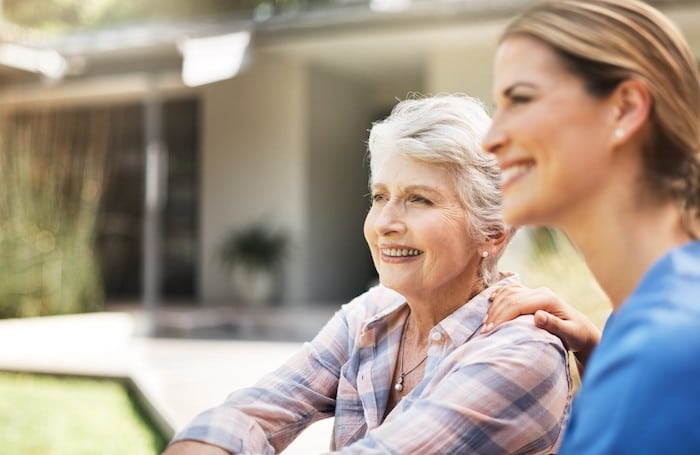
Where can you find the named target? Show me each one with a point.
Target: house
(281, 141)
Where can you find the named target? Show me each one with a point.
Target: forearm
(225, 428)
(194, 448)
(267, 417)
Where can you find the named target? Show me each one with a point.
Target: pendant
(399, 383)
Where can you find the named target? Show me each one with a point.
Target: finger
(568, 331)
(513, 302)
(507, 309)
(500, 303)
(550, 323)
(496, 291)
(541, 319)
(516, 301)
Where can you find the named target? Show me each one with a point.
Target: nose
(390, 219)
(495, 138)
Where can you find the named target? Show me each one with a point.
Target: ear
(495, 243)
(631, 107)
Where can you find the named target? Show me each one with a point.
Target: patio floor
(197, 357)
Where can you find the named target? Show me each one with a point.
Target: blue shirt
(641, 390)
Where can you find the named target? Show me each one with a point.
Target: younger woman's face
(551, 138)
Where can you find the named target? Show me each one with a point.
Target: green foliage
(43, 415)
(256, 247)
(546, 257)
(52, 169)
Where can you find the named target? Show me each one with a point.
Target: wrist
(592, 340)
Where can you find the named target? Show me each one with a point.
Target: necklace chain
(398, 386)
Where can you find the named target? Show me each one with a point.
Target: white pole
(155, 186)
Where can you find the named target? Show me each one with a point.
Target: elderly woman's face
(417, 230)
(550, 137)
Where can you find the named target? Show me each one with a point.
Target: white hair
(447, 130)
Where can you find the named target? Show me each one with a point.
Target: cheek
(580, 151)
(368, 228)
(450, 232)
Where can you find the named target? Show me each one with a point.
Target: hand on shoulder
(551, 313)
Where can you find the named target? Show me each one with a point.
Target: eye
(417, 198)
(377, 197)
(519, 98)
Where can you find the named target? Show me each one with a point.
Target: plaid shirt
(507, 392)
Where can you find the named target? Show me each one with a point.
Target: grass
(47, 415)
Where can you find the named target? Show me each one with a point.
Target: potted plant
(253, 256)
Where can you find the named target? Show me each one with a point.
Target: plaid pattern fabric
(506, 392)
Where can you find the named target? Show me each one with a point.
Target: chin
(394, 285)
(516, 216)
(519, 212)
(521, 216)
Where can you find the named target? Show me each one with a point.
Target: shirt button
(436, 336)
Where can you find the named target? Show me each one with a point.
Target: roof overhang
(352, 37)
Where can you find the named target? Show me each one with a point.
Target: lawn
(47, 415)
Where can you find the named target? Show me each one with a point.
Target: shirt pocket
(350, 424)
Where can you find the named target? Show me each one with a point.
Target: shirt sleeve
(265, 418)
(504, 397)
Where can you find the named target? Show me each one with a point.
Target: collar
(466, 320)
(395, 305)
(459, 326)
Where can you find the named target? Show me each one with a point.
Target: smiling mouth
(400, 252)
(514, 172)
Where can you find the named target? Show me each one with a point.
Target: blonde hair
(606, 42)
(447, 130)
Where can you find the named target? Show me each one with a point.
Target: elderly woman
(597, 132)
(403, 367)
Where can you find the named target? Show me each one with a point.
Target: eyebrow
(509, 90)
(410, 188)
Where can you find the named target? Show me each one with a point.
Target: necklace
(398, 386)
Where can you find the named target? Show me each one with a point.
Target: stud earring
(619, 133)
(485, 254)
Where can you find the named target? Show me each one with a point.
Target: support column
(155, 187)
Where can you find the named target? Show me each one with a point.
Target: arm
(265, 418)
(194, 447)
(494, 395)
(552, 313)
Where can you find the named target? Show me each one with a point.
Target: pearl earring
(619, 133)
(485, 254)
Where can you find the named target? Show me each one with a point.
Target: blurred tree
(52, 169)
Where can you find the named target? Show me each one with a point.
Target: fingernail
(487, 327)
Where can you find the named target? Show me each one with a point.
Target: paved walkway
(179, 377)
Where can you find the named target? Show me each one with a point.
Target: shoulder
(655, 334)
(640, 391)
(523, 332)
(649, 352)
(520, 351)
(661, 320)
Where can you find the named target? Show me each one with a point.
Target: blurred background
(201, 164)
(142, 140)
